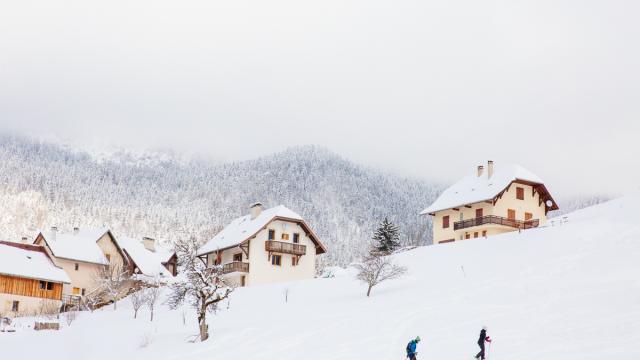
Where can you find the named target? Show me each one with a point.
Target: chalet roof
(81, 245)
(244, 228)
(473, 189)
(149, 262)
(29, 261)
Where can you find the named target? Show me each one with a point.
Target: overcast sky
(423, 88)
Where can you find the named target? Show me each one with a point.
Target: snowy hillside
(567, 291)
(162, 196)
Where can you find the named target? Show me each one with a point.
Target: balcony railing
(497, 220)
(285, 248)
(235, 266)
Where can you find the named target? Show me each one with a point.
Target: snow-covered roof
(29, 262)
(472, 188)
(244, 228)
(149, 262)
(79, 245)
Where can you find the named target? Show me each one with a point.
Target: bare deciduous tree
(376, 269)
(112, 280)
(70, 316)
(138, 299)
(200, 286)
(153, 294)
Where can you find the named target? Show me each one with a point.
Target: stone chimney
(24, 240)
(480, 170)
(54, 231)
(149, 243)
(76, 230)
(489, 169)
(255, 210)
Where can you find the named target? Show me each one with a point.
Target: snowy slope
(569, 291)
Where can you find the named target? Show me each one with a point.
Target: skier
(481, 341)
(411, 348)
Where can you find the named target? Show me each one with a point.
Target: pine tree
(386, 238)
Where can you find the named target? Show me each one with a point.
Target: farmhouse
(501, 199)
(265, 246)
(29, 280)
(149, 259)
(83, 254)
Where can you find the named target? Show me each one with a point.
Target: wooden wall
(28, 287)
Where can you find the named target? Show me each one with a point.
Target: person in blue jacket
(411, 348)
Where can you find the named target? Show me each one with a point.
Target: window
(511, 214)
(84, 291)
(15, 306)
(76, 291)
(43, 285)
(237, 257)
(478, 213)
(445, 222)
(528, 216)
(76, 266)
(108, 256)
(294, 261)
(272, 234)
(484, 233)
(520, 193)
(285, 236)
(296, 238)
(475, 234)
(467, 236)
(276, 260)
(49, 286)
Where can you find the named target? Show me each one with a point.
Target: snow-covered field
(569, 291)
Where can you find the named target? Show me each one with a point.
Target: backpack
(409, 351)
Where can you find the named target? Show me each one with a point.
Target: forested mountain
(164, 196)
(45, 184)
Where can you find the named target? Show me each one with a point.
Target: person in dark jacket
(483, 338)
(411, 348)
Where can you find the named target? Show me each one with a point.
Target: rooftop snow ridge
(475, 188)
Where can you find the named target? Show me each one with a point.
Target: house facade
(30, 282)
(493, 201)
(266, 246)
(83, 254)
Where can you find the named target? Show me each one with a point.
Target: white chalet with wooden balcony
(265, 246)
(502, 199)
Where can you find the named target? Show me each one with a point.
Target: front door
(242, 280)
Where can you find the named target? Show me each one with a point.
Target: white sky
(422, 88)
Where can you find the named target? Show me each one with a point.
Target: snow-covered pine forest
(167, 197)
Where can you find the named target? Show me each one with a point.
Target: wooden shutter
(511, 214)
(520, 193)
(528, 216)
(478, 213)
(445, 222)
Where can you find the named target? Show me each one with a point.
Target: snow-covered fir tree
(386, 239)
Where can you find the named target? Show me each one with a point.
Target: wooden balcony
(285, 248)
(235, 266)
(496, 220)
